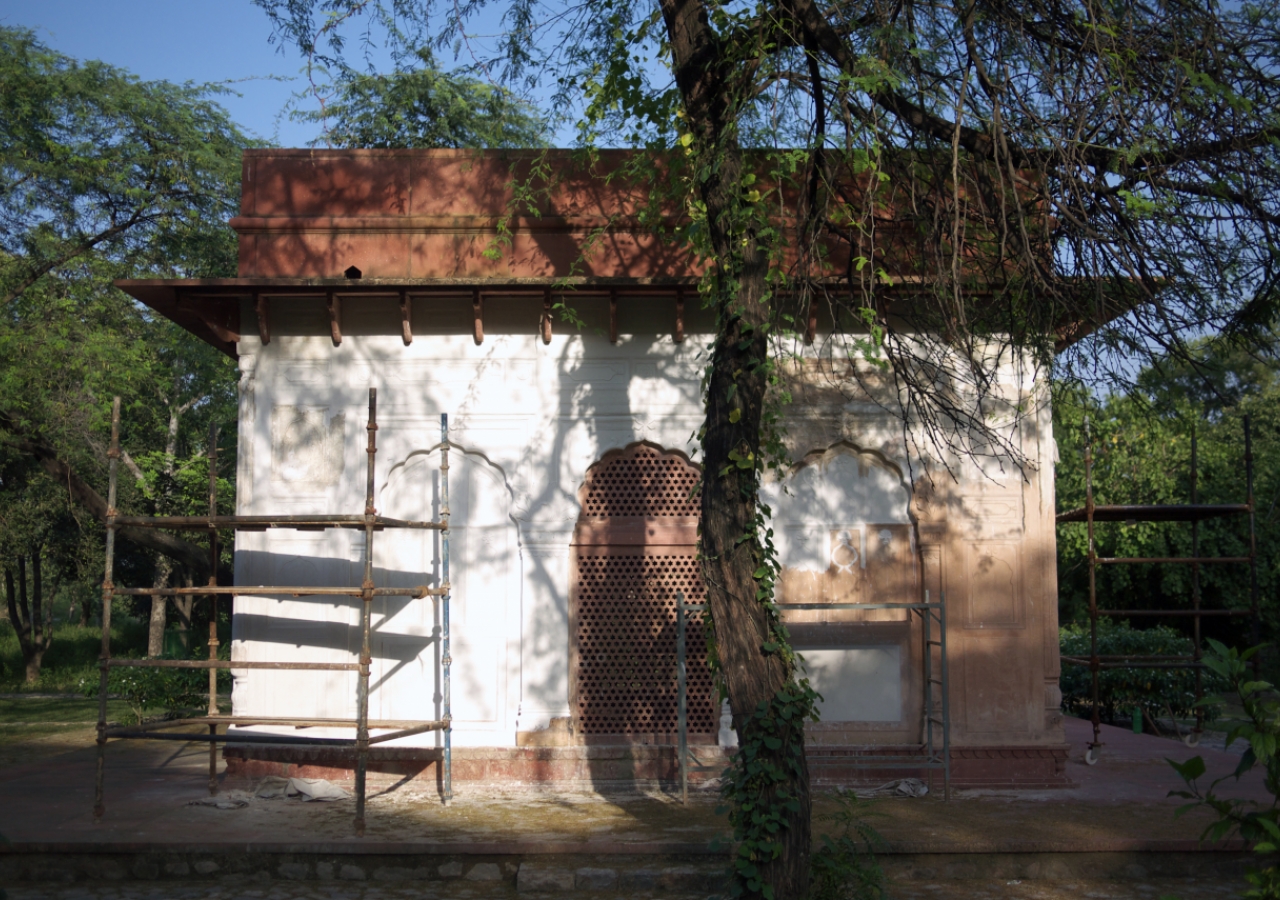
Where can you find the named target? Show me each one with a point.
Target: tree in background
(1142, 450)
(421, 106)
(93, 159)
(39, 540)
(105, 176)
(991, 178)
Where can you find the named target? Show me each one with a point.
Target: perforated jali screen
(624, 609)
(644, 482)
(626, 634)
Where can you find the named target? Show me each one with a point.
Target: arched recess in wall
(634, 548)
(485, 605)
(842, 510)
(844, 533)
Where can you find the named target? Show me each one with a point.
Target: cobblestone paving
(1156, 889)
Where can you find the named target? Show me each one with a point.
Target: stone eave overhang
(210, 308)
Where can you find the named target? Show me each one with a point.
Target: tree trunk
(24, 608)
(754, 660)
(33, 663)
(39, 633)
(28, 624)
(753, 676)
(186, 603)
(164, 565)
(159, 608)
(11, 604)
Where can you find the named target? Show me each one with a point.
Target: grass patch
(31, 711)
(72, 656)
(37, 728)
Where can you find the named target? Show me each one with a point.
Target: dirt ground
(46, 784)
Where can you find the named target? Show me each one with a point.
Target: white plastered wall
(528, 420)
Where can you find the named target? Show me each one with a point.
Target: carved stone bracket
(406, 318)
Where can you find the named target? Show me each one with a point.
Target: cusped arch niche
(842, 526)
(485, 579)
(844, 534)
(634, 549)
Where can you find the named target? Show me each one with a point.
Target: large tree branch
(817, 31)
(36, 272)
(191, 555)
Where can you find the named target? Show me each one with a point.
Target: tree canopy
(993, 181)
(92, 158)
(104, 176)
(420, 106)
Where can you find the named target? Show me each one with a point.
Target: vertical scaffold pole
(1197, 637)
(213, 605)
(682, 693)
(945, 688)
(446, 661)
(1255, 631)
(926, 635)
(366, 616)
(108, 588)
(1095, 665)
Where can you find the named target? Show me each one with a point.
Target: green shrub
(1156, 691)
(1257, 823)
(844, 867)
(176, 691)
(72, 656)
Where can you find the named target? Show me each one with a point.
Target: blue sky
(178, 40)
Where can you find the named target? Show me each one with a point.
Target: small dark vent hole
(353, 272)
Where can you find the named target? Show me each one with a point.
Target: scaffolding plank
(253, 523)
(229, 664)
(1173, 512)
(417, 592)
(1133, 560)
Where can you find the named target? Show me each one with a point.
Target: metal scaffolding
(370, 522)
(1193, 513)
(934, 750)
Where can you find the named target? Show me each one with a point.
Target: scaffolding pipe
(370, 522)
(366, 616)
(1198, 729)
(1255, 632)
(113, 460)
(1192, 513)
(682, 689)
(446, 661)
(1091, 754)
(213, 608)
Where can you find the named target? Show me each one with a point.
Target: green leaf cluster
(1256, 823)
(420, 106)
(105, 176)
(759, 784)
(94, 159)
(844, 867)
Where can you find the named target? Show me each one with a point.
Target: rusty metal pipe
(113, 460)
(214, 664)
